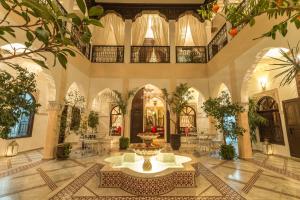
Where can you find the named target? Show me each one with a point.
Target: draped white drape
(160, 30)
(112, 32)
(139, 30)
(190, 32)
(150, 25)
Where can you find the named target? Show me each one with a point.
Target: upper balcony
(154, 33)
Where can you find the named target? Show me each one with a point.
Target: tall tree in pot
(121, 100)
(225, 112)
(176, 102)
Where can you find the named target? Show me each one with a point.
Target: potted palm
(93, 121)
(225, 112)
(176, 102)
(121, 100)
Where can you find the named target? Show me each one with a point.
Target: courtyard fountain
(146, 170)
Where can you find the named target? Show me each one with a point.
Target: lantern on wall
(12, 149)
(267, 147)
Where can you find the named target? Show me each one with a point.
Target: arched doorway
(272, 130)
(148, 111)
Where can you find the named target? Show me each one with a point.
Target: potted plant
(75, 102)
(254, 119)
(121, 100)
(93, 121)
(225, 112)
(63, 151)
(176, 102)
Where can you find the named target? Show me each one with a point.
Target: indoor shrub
(227, 152)
(123, 143)
(63, 151)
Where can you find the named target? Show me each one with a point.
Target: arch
(223, 88)
(272, 130)
(150, 12)
(266, 53)
(116, 121)
(148, 110)
(24, 126)
(75, 90)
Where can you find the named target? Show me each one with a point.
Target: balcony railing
(108, 54)
(191, 54)
(150, 54)
(218, 42)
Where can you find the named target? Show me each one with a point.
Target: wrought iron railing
(191, 54)
(217, 43)
(244, 5)
(150, 54)
(107, 54)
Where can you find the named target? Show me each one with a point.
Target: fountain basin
(169, 171)
(160, 162)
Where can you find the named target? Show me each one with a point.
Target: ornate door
(292, 119)
(137, 116)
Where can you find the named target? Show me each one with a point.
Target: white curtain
(160, 30)
(181, 30)
(112, 32)
(118, 27)
(190, 31)
(139, 30)
(198, 31)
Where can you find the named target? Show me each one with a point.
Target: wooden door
(292, 119)
(137, 116)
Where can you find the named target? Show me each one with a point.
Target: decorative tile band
(278, 170)
(21, 168)
(252, 181)
(67, 192)
(221, 186)
(47, 179)
(142, 186)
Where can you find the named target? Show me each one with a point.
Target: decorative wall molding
(133, 10)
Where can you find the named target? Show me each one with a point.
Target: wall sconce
(263, 82)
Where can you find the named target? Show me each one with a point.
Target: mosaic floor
(265, 177)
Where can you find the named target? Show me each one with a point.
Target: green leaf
(95, 11)
(4, 5)
(72, 53)
(62, 60)
(40, 62)
(29, 36)
(95, 22)
(42, 35)
(81, 6)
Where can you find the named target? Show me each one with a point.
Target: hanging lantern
(12, 149)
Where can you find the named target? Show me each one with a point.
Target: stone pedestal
(52, 130)
(245, 149)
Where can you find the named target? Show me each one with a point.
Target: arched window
(272, 130)
(188, 119)
(23, 127)
(115, 121)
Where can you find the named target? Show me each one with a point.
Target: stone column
(211, 125)
(244, 141)
(127, 116)
(172, 40)
(127, 40)
(208, 26)
(52, 130)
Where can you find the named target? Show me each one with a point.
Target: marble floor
(28, 177)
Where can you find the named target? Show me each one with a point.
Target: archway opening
(148, 113)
